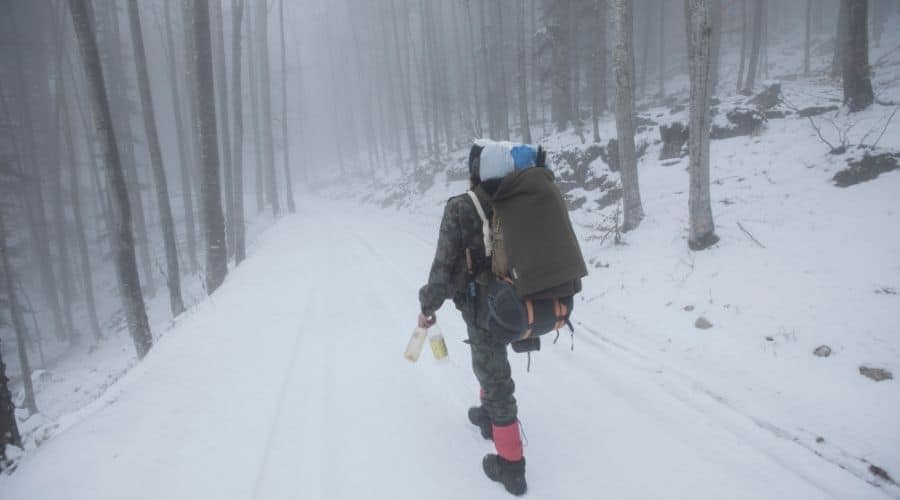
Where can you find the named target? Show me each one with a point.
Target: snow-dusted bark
(237, 15)
(702, 229)
(858, 93)
(623, 56)
(210, 185)
(167, 225)
(123, 239)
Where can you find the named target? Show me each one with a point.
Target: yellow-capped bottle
(415, 345)
(438, 345)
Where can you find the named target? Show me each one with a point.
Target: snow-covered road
(289, 383)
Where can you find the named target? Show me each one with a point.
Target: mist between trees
(137, 137)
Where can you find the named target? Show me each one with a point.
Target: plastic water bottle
(438, 345)
(416, 342)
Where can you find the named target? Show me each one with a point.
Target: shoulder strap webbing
(485, 225)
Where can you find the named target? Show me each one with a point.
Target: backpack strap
(485, 225)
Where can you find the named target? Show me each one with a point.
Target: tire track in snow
(689, 388)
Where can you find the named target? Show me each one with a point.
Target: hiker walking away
(508, 257)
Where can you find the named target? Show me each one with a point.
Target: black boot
(480, 418)
(510, 474)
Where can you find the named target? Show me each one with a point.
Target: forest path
(289, 383)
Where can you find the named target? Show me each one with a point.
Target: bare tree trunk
(405, 91)
(501, 94)
(60, 226)
(123, 241)
(479, 128)
(858, 93)
(167, 225)
(560, 92)
(807, 37)
(598, 79)
(489, 98)
(219, 66)
(662, 50)
(254, 114)
(265, 84)
(702, 228)
(193, 110)
(75, 192)
(9, 429)
(187, 196)
(645, 50)
(237, 14)
(740, 79)
(18, 322)
(121, 108)
(210, 187)
(624, 66)
(101, 195)
(284, 127)
(757, 42)
(523, 89)
(840, 40)
(715, 45)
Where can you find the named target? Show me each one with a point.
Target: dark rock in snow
(880, 473)
(688, 308)
(742, 121)
(674, 137)
(768, 98)
(703, 323)
(876, 374)
(865, 169)
(815, 111)
(820, 440)
(823, 351)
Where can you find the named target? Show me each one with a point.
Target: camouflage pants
(491, 366)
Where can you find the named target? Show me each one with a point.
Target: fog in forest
(148, 149)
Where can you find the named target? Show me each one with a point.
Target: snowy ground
(289, 382)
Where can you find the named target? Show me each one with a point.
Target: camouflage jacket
(460, 230)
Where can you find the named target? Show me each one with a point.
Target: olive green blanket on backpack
(540, 245)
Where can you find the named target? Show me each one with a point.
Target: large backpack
(535, 257)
